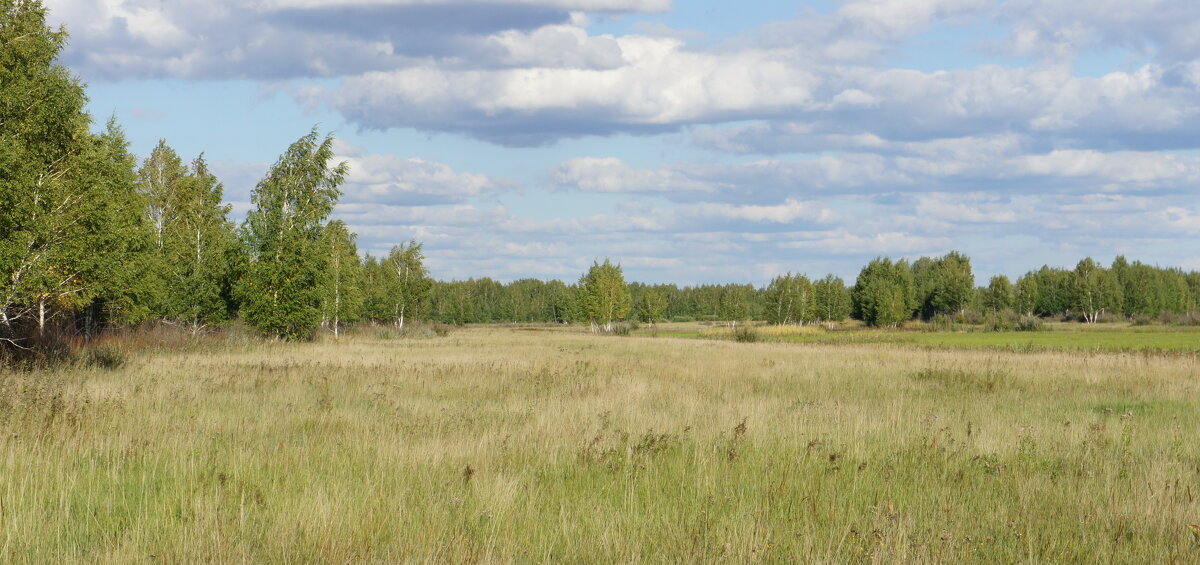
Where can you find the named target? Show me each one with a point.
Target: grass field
(557, 446)
(1072, 336)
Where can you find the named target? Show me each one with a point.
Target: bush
(941, 323)
(412, 331)
(1190, 319)
(25, 346)
(1029, 324)
(999, 322)
(1107, 318)
(745, 333)
(622, 329)
(105, 357)
(969, 317)
(1142, 320)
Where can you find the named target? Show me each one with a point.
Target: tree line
(886, 292)
(90, 238)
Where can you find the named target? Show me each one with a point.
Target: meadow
(1113, 337)
(510, 445)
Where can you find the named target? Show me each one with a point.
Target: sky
(690, 141)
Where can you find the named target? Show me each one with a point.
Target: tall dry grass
(513, 446)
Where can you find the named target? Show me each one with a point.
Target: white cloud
(591, 174)
(409, 181)
(659, 86)
(884, 243)
(894, 19)
(1066, 28)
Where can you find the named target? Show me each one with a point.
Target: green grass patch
(1068, 337)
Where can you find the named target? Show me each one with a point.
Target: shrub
(1107, 318)
(990, 380)
(1142, 320)
(1190, 319)
(969, 317)
(105, 357)
(1029, 324)
(622, 329)
(745, 333)
(999, 322)
(941, 323)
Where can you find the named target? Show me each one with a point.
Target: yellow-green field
(557, 446)
(1068, 336)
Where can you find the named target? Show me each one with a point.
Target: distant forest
(92, 239)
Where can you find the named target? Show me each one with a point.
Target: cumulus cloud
(528, 72)
(659, 85)
(1165, 29)
(592, 174)
(273, 40)
(409, 181)
(662, 85)
(963, 165)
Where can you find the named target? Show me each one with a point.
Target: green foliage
(943, 285)
(884, 293)
(831, 299)
(192, 236)
(52, 213)
(735, 302)
(281, 290)
(343, 298)
(603, 295)
(1026, 295)
(1094, 290)
(789, 300)
(124, 288)
(999, 294)
(652, 306)
(404, 282)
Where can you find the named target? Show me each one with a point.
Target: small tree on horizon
(653, 306)
(603, 295)
(884, 294)
(406, 283)
(831, 299)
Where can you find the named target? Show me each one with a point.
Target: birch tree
(343, 299)
(1094, 290)
(408, 284)
(53, 207)
(653, 306)
(831, 299)
(999, 294)
(603, 295)
(160, 180)
(193, 235)
(789, 300)
(281, 289)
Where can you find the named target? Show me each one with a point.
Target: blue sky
(691, 141)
